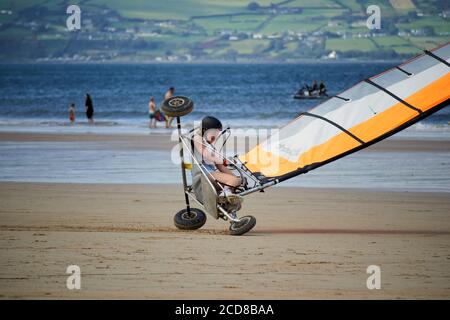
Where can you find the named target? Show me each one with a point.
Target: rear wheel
(189, 221)
(244, 225)
(177, 106)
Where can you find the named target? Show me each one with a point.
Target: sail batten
(393, 95)
(431, 54)
(364, 114)
(334, 124)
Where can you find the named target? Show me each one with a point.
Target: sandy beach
(309, 243)
(344, 122)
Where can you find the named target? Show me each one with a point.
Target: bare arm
(223, 168)
(208, 154)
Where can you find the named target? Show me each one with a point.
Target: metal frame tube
(183, 169)
(230, 160)
(261, 187)
(225, 213)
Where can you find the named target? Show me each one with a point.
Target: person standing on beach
(72, 113)
(152, 113)
(155, 114)
(89, 109)
(168, 95)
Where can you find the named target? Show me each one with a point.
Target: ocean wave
(52, 123)
(434, 127)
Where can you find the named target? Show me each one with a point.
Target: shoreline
(165, 142)
(216, 62)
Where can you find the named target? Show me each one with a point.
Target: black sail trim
(334, 124)
(393, 95)
(431, 54)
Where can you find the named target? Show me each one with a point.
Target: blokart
(368, 112)
(204, 189)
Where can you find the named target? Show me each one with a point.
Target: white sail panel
(364, 114)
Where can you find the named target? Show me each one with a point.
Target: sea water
(35, 98)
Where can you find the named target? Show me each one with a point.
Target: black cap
(211, 123)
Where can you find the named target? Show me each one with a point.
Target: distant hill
(219, 30)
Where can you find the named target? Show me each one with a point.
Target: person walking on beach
(155, 114)
(168, 95)
(89, 109)
(152, 113)
(72, 113)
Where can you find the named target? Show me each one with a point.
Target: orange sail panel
(358, 117)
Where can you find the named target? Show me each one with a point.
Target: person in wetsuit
(89, 109)
(314, 86)
(322, 88)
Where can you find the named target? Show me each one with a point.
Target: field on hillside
(229, 28)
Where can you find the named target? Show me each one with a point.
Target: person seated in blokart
(214, 163)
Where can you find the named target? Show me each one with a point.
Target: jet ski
(308, 94)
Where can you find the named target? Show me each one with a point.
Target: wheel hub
(176, 102)
(189, 216)
(240, 223)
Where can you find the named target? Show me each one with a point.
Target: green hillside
(219, 30)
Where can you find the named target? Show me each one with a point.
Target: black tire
(245, 225)
(177, 106)
(185, 222)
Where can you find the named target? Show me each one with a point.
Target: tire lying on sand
(177, 106)
(184, 221)
(244, 225)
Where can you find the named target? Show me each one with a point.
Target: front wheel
(245, 224)
(177, 106)
(192, 220)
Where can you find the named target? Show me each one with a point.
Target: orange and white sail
(366, 113)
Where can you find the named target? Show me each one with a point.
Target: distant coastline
(204, 62)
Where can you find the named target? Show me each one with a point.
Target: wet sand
(307, 244)
(159, 141)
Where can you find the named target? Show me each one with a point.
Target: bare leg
(227, 197)
(226, 178)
